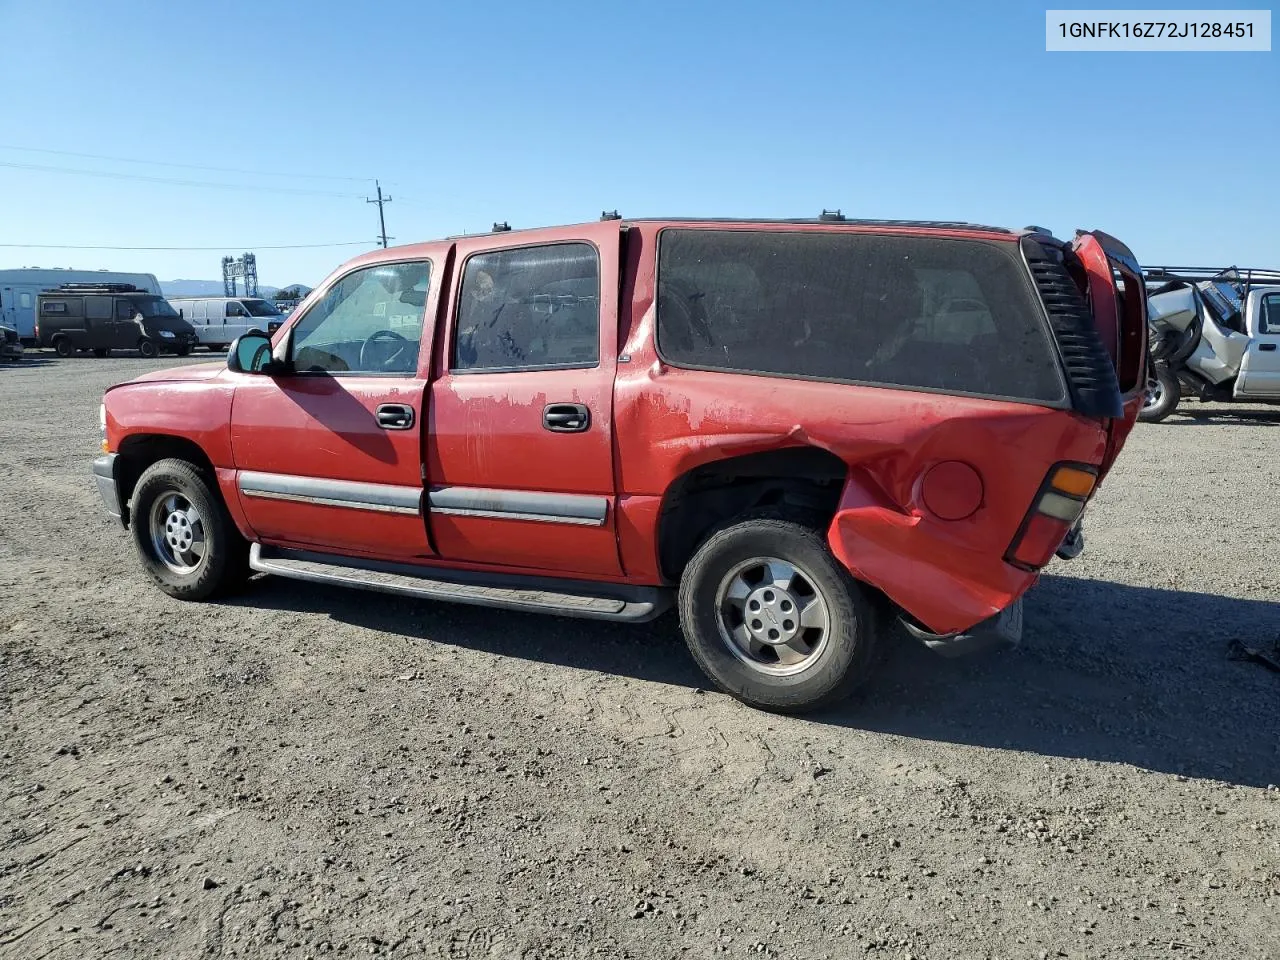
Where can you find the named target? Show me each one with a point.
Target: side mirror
(250, 353)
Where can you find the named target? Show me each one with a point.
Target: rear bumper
(104, 474)
(11, 351)
(1002, 630)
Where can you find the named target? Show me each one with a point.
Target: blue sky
(540, 113)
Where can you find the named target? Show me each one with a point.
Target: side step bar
(566, 598)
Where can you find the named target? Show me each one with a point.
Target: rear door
(1120, 315)
(329, 456)
(1260, 368)
(520, 445)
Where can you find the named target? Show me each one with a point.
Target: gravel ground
(304, 772)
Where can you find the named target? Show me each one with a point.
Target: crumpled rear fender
(917, 562)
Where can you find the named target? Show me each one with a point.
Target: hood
(195, 371)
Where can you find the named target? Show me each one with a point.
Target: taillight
(1057, 507)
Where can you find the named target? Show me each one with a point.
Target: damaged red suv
(806, 435)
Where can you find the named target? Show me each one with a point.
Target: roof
(829, 218)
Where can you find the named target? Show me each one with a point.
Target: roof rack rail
(1248, 275)
(96, 288)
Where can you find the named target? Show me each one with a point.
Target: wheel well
(806, 481)
(136, 453)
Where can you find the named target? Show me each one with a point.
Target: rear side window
(97, 308)
(529, 308)
(917, 312)
(53, 307)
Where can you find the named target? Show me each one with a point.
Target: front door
(330, 455)
(520, 454)
(1260, 367)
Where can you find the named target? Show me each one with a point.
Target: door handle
(395, 416)
(1266, 346)
(566, 417)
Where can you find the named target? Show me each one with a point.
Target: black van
(110, 316)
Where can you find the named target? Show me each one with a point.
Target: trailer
(19, 288)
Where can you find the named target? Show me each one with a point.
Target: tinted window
(97, 308)
(529, 308)
(955, 315)
(234, 309)
(370, 321)
(124, 310)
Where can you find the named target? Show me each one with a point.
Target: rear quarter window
(915, 312)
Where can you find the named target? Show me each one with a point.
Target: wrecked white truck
(1214, 335)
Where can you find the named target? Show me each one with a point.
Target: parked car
(110, 316)
(799, 433)
(220, 320)
(10, 344)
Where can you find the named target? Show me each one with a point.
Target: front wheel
(774, 620)
(184, 536)
(1162, 396)
(148, 349)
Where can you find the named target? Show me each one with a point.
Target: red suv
(805, 434)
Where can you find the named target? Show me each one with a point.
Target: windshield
(260, 308)
(154, 307)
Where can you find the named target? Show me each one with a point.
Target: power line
(184, 166)
(228, 246)
(179, 183)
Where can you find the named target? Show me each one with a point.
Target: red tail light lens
(1058, 505)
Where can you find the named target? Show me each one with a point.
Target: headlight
(167, 334)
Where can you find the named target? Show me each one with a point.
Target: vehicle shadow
(1106, 672)
(29, 361)
(1266, 416)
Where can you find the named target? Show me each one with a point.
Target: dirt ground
(304, 772)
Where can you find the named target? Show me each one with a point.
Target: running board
(567, 598)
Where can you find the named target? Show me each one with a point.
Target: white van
(219, 320)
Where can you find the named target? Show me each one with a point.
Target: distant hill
(206, 288)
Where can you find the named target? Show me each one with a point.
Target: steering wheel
(382, 335)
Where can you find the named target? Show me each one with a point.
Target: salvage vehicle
(1215, 335)
(110, 316)
(806, 435)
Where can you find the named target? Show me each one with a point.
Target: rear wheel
(62, 347)
(148, 349)
(183, 534)
(1162, 396)
(773, 619)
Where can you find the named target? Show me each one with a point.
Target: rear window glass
(917, 312)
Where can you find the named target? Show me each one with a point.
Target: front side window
(529, 308)
(234, 309)
(124, 310)
(916, 312)
(370, 321)
(1270, 314)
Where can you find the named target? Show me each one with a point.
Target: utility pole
(382, 220)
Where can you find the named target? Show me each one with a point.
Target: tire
(1163, 394)
(63, 347)
(148, 349)
(183, 351)
(750, 558)
(101, 352)
(167, 492)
